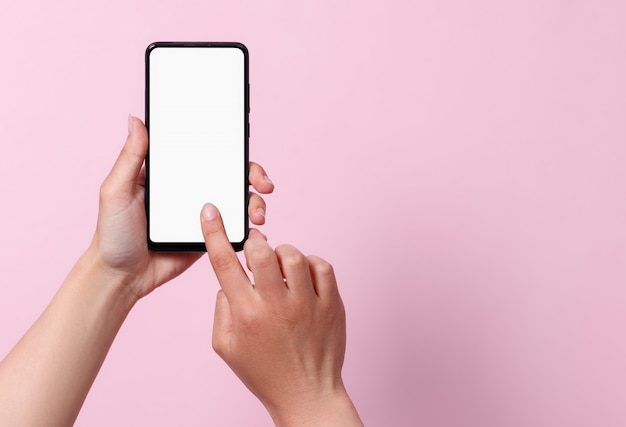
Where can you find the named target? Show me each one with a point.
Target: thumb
(124, 174)
(222, 324)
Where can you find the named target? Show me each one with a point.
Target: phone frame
(194, 246)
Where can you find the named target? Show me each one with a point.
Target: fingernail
(130, 124)
(267, 178)
(261, 212)
(209, 212)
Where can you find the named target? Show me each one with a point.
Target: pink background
(460, 163)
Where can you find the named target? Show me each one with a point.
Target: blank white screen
(197, 140)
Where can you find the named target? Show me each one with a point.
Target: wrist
(334, 408)
(113, 287)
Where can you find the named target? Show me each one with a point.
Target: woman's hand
(78, 326)
(119, 244)
(285, 335)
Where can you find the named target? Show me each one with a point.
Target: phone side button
(248, 130)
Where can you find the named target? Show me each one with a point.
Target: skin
(46, 376)
(285, 335)
(284, 339)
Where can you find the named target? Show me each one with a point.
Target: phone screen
(197, 118)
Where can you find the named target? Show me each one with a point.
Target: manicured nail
(267, 178)
(261, 212)
(130, 124)
(209, 212)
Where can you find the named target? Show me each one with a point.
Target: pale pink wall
(460, 163)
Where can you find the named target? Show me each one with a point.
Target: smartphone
(197, 106)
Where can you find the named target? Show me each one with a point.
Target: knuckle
(323, 268)
(291, 258)
(222, 261)
(250, 319)
(261, 256)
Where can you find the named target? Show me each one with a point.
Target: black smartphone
(197, 106)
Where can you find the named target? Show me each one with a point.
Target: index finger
(233, 279)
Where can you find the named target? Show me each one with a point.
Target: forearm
(45, 378)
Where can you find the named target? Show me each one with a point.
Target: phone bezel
(195, 246)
